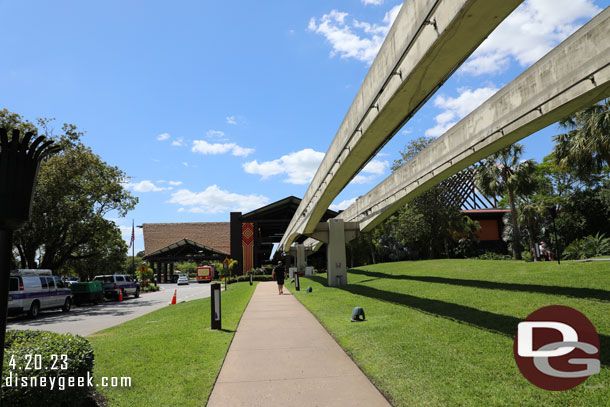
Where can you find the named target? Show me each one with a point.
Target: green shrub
(590, 246)
(254, 278)
(150, 288)
(527, 256)
(493, 256)
(22, 346)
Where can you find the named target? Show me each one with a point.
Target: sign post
(215, 307)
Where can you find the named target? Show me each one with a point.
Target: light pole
(19, 163)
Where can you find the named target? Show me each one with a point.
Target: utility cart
(91, 291)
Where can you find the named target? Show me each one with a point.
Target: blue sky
(212, 107)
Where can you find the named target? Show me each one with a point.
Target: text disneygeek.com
(62, 382)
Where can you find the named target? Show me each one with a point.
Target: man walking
(278, 274)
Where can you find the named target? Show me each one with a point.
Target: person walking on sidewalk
(278, 274)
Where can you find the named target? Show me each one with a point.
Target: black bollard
(215, 307)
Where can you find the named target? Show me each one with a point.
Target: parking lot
(87, 319)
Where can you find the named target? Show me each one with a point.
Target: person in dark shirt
(278, 274)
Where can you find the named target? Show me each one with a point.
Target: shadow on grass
(576, 292)
(498, 323)
(319, 280)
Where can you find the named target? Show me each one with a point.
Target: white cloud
(375, 168)
(456, 108)
(179, 142)
(215, 135)
(363, 179)
(185, 164)
(215, 200)
(360, 40)
(300, 166)
(145, 186)
(126, 233)
(231, 120)
(175, 183)
(163, 136)
(342, 205)
(203, 147)
(532, 30)
(372, 2)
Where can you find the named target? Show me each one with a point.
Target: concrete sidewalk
(282, 356)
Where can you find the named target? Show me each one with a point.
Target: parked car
(114, 284)
(34, 290)
(183, 280)
(70, 280)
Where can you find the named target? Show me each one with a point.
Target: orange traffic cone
(120, 295)
(174, 299)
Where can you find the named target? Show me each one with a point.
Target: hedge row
(35, 358)
(240, 279)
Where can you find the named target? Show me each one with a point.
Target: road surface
(87, 319)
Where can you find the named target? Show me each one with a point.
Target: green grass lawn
(171, 355)
(440, 333)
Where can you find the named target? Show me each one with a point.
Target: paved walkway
(282, 356)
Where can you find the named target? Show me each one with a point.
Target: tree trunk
(516, 230)
(531, 229)
(372, 248)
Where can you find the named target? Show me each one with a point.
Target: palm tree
(504, 174)
(586, 145)
(532, 213)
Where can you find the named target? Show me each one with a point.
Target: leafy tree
(110, 249)
(130, 262)
(75, 190)
(186, 267)
(409, 151)
(423, 228)
(466, 238)
(504, 174)
(586, 145)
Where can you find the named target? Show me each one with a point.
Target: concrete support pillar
(171, 271)
(165, 272)
(301, 258)
(158, 272)
(336, 259)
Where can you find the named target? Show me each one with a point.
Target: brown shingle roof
(215, 235)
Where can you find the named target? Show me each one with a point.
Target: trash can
(91, 291)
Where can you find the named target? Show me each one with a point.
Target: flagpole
(133, 246)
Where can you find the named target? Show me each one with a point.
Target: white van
(33, 290)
